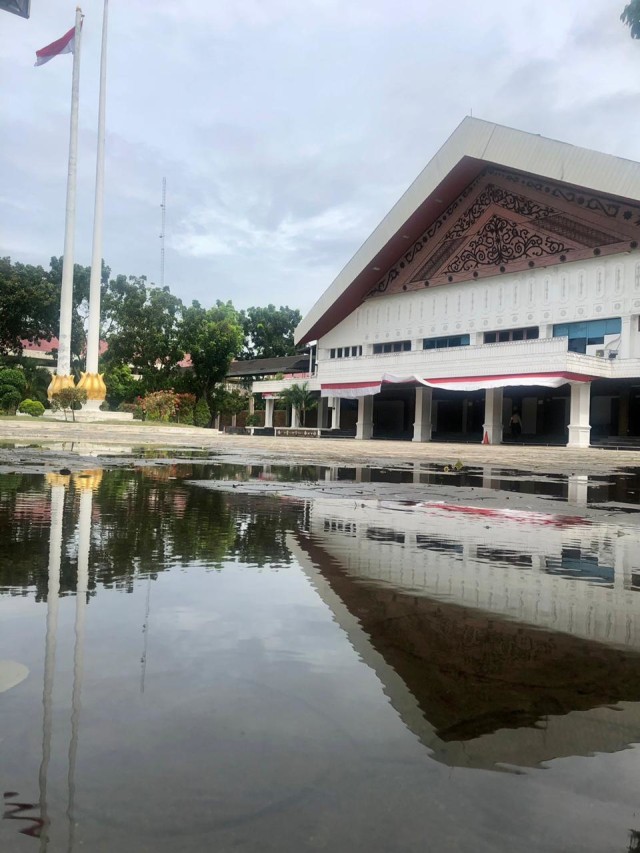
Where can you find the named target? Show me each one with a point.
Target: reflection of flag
(66, 44)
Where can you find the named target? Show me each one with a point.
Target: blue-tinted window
(445, 341)
(590, 333)
(392, 346)
(347, 352)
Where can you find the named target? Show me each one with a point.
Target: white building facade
(506, 281)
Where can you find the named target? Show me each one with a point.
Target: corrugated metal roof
(268, 366)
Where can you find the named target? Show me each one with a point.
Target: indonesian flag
(66, 44)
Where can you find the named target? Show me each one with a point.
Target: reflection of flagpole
(63, 378)
(145, 629)
(84, 543)
(53, 592)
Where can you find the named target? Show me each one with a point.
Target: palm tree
(631, 17)
(299, 397)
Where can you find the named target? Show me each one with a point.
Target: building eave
(473, 145)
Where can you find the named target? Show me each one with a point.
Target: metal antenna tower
(163, 207)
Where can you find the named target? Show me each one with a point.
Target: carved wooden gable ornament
(507, 222)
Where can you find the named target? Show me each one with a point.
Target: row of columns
(323, 413)
(579, 427)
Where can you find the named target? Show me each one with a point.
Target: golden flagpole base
(93, 384)
(58, 382)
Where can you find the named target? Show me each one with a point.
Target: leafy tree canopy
(143, 328)
(29, 305)
(269, 331)
(212, 337)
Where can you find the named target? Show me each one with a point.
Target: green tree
(269, 331)
(631, 17)
(300, 397)
(81, 280)
(29, 306)
(37, 381)
(143, 329)
(69, 399)
(212, 337)
(122, 386)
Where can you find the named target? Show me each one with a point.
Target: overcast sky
(286, 129)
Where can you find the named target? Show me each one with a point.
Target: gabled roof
(473, 146)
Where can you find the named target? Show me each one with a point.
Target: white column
(269, 405)
(545, 330)
(364, 427)
(91, 381)
(492, 427)
(295, 416)
(629, 326)
(579, 426)
(63, 369)
(335, 413)
(422, 423)
(323, 412)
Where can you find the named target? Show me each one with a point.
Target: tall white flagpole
(92, 381)
(63, 378)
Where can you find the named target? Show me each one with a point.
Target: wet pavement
(199, 655)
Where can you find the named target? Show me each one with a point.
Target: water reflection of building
(448, 612)
(556, 572)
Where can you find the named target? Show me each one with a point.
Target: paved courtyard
(128, 436)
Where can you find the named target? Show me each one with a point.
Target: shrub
(253, 420)
(185, 406)
(31, 407)
(9, 399)
(159, 405)
(12, 385)
(13, 377)
(201, 413)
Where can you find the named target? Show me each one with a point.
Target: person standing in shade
(516, 424)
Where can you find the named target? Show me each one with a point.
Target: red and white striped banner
(353, 390)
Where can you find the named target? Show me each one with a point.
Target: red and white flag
(66, 44)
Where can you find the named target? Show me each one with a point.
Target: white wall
(586, 290)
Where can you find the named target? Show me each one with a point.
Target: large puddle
(185, 668)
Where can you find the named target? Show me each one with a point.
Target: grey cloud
(286, 131)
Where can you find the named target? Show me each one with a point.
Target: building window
(590, 333)
(392, 346)
(528, 334)
(445, 342)
(345, 352)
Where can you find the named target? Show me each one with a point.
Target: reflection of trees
(24, 531)
(144, 521)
